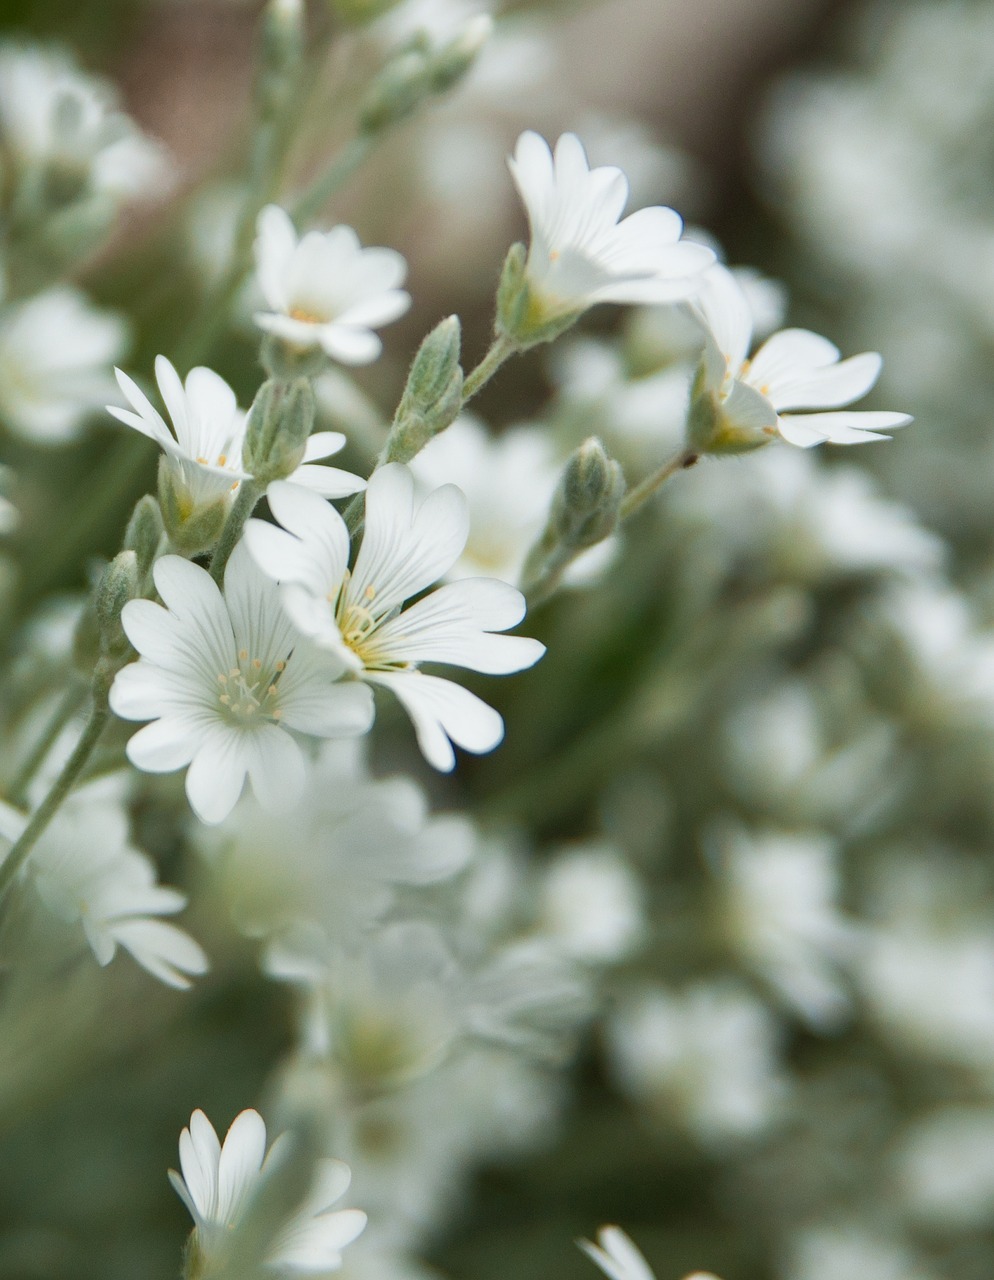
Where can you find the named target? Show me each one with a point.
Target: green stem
(645, 489)
(249, 493)
(63, 784)
(60, 717)
(500, 352)
(349, 159)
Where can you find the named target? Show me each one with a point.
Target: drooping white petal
(442, 710)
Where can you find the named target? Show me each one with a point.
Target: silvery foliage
(729, 856)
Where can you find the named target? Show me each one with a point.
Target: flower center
(359, 622)
(305, 316)
(249, 692)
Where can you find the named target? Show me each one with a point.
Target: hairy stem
(249, 493)
(67, 707)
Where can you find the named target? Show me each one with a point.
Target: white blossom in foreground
(54, 116)
(218, 1184)
(204, 446)
(86, 873)
(619, 1259)
(56, 353)
(754, 399)
(580, 254)
(359, 615)
(325, 290)
(223, 678)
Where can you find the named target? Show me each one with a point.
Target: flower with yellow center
(360, 615)
(740, 404)
(223, 678)
(326, 290)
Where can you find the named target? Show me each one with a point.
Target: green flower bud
(282, 53)
(192, 527)
(118, 584)
(584, 511)
(397, 91)
(587, 500)
(453, 61)
(279, 423)
(144, 536)
(432, 396)
(522, 316)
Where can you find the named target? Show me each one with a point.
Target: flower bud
(282, 53)
(522, 315)
(456, 58)
(584, 511)
(144, 536)
(118, 584)
(397, 91)
(587, 500)
(279, 423)
(432, 396)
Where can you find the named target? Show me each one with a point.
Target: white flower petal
(440, 710)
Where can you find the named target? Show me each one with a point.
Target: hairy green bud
(432, 395)
(584, 511)
(118, 584)
(282, 53)
(280, 420)
(400, 88)
(144, 536)
(456, 58)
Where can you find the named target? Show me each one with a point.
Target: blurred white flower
(341, 860)
(794, 369)
(944, 1166)
(56, 118)
(325, 290)
(779, 898)
(848, 1250)
(56, 353)
(708, 1055)
(580, 254)
(619, 1259)
(223, 678)
(358, 614)
(592, 905)
(87, 873)
(219, 1182)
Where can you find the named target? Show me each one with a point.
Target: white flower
(580, 254)
(56, 352)
(708, 1054)
(326, 290)
(592, 904)
(224, 678)
(343, 858)
(55, 116)
(619, 1259)
(780, 893)
(359, 615)
(794, 369)
(219, 1183)
(86, 873)
(208, 432)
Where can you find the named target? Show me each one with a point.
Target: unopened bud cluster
(279, 423)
